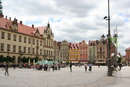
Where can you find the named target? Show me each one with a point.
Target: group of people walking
(85, 66)
(47, 67)
(88, 65)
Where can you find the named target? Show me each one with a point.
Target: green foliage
(24, 59)
(1, 58)
(6, 59)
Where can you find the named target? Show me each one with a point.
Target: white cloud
(74, 20)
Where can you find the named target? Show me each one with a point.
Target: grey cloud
(80, 7)
(32, 7)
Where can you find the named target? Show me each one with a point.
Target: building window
(2, 35)
(2, 47)
(25, 39)
(33, 41)
(8, 47)
(9, 36)
(33, 50)
(29, 40)
(40, 51)
(20, 48)
(14, 37)
(20, 38)
(40, 43)
(28, 49)
(37, 42)
(24, 49)
(14, 48)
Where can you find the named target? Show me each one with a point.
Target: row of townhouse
(95, 51)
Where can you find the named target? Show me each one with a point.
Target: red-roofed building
(127, 56)
(74, 54)
(18, 40)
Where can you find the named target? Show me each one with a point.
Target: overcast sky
(74, 20)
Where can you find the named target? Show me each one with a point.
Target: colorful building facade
(74, 52)
(83, 51)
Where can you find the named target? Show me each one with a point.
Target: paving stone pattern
(64, 78)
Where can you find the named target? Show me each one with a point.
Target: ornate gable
(14, 25)
(37, 33)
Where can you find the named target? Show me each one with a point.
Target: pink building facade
(83, 49)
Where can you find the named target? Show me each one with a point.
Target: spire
(1, 13)
(115, 32)
(102, 37)
(48, 25)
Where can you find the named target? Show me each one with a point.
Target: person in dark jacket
(71, 67)
(6, 69)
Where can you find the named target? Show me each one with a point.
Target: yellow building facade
(74, 54)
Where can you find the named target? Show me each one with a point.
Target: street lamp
(44, 56)
(21, 54)
(109, 43)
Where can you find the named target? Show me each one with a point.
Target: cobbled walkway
(64, 78)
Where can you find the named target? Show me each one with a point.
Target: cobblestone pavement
(64, 78)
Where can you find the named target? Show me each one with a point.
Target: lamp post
(21, 54)
(109, 42)
(44, 56)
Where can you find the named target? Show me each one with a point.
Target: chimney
(9, 18)
(1, 15)
(6, 17)
(20, 22)
(32, 25)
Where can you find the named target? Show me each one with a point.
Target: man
(70, 67)
(120, 65)
(6, 69)
(85, 66)
(90, 67)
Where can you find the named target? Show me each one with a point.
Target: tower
(1, 13)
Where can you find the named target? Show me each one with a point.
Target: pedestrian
(14, 65)
(85, 66)
(6, 69)
(115, 66)
(71, 67)
(53, 67)
(120, 66)
(58, 66)
(98, 65)
(90, 67)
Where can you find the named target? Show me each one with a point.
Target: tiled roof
(7, 23)
(74, 46)
(41, 29)
(128, 49)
